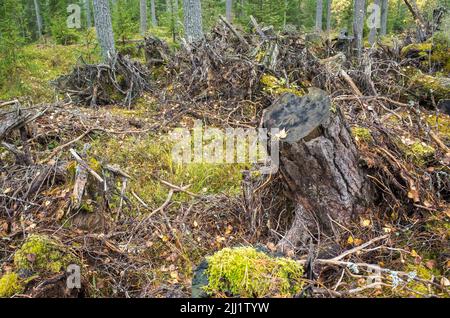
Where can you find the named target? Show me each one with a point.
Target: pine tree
(193, 26)
(103, 26)
(319, 10)
(143, 11)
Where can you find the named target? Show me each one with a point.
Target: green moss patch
(275, 86)
(442, 123)
(425, 83)
(41, 254)
(361, 134)
(247, 272)
(10, 284)
(418, 152)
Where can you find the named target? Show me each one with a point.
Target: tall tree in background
(358, 24)
(319, 10)
(374, 21)
(329, 4)
(228, 10)
(37, 10)
(193, 25)
(103, 27)
(384, 15)
(143, 14)
(87, 6)
(153, 12)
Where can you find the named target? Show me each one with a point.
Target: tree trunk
(319, 10)
(37, 10)
(103, 26)
(319, 163)
(87, 5)
(192, 20)
(384, 16)
(143, 14)
(329, 4)
(375, 21)
(358, 24)
(153, 11)
(228, 10)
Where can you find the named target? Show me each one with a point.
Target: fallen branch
(85, 165)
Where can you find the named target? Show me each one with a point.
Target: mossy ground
(441, 124)
(41, 64)
(41, 254)
(10, 284)
(416, 151)
(145, 157)
(361, 134)
(246, 272)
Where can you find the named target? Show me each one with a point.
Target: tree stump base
(319, 162)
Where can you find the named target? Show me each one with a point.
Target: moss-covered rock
(41, 254)
(10, 284)
(247, 272)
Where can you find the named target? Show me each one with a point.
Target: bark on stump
(319, 162)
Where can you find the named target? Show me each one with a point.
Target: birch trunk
(192, 20)
(103, 26)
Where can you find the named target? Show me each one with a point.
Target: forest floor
(162, 218)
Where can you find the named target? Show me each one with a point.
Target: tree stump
(319, 162)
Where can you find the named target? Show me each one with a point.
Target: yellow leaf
(358, 241)
(366, 222)
(350, 240)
